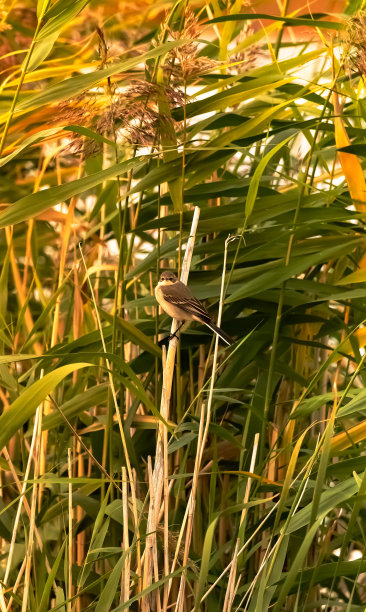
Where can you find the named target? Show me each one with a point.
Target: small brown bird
(179, 303)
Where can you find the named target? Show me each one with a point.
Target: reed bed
(228, 145)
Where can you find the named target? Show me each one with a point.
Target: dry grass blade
(125, 578)
(232, 586)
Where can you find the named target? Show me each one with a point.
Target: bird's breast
(158, 294)
(172, 310)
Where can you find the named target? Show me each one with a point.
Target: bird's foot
(171, 336)
(165, 341)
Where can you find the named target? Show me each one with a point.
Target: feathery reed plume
(184, 62)
(131, 115)
(354, 39)
(245, 59)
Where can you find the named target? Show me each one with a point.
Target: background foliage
(119, 118)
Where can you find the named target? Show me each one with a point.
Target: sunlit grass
(195, 477)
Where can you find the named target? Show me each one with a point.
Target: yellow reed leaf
(350, 163)
(344, 440)
(255, 476)
(360, 335)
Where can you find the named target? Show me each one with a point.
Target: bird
(179, 303)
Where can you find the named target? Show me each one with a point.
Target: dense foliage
(118, 119)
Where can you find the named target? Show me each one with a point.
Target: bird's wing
(179, 295)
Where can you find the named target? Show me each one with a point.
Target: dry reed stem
(166, 515)
(150, 546)
(2, 601)
(28, 245)
(28, 252)
(16, 584)
(178, 546)
(64, 245)
(28, 240)
(201, 441)
(168, 372)
(21, 500)
(125, 579)
(102, 227)
(28, 320)
(69, 557)
(154, 549)
(4, 399)
(161, 512)
(232, 587)
(22, 496)
(80, 539)
(29, 553)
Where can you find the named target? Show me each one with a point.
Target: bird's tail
(224, 336)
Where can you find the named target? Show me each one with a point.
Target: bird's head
(167, 278)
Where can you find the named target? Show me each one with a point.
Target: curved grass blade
(24, 407)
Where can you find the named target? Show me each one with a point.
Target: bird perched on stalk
(179, 303)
